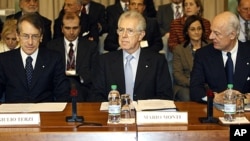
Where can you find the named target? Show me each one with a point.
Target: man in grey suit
(85, 52)
(29, 73)
(209, 61)
(149, 75)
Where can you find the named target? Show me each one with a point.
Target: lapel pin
(146, 66)
(247, 63)
(43, 66)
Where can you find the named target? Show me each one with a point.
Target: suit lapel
(142, 68)
(189, 57)
(18, 63)
(40, 67)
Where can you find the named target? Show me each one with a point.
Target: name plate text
(20, 119)
(159, 117)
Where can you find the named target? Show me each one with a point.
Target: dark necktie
(84, 9)
(177, 13)
(29, 70)
(229, 69)
(247, 31)
(129, 77)
(71, 58)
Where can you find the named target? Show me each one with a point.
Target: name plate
(20, 119)
(158, 117)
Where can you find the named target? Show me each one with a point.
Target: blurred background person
(243, 10)
(1, 27)
(88, 30)
(9, 40)
(31, 6)
(183, 55)
(191, 7)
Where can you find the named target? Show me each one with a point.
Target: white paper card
(20, 119)
(155, 104)
(159, 117)
(32, 107)
(238, 120)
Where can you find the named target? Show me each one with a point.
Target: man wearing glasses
(152, 39)
(142, 74)
(32, 74)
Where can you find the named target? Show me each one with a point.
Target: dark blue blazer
(209, 69)
(152, 78)
(49, 82)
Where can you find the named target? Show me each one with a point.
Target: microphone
(210, 100)
(74, 117)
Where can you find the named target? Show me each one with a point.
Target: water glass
(125, 106)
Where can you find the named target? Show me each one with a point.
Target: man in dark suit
(88, 30)
(84, 54)
(31, 6)
(150, 77)
(152, 40)
(29, 73)
(97, 15)
(209, 61)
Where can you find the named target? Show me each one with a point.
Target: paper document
(32, 107)
(156, 105)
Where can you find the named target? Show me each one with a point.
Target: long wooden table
(53, 127)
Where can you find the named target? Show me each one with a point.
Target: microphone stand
(74, 117)
(209, 118)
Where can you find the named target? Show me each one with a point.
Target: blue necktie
(229, 69)
(129, 77)
(29, 70)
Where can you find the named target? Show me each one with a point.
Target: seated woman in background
(183, 55)
(8, 36)
(191, 7)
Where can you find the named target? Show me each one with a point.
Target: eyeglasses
(34, 37)
(129, 31)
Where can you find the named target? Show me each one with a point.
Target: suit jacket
(176, 31)
(153, 37)
(209, 69)
(88, 29)
(47, 35)
(152, 77)
(49, 82)
(97, 14)
(164, 16)
(86, 58)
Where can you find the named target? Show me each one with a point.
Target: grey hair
(135, 15)
(233, 24)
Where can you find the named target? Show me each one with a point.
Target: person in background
(1, 27)
(9, 40)
(209, 61)
(141, 73)
(166, 13)
(151, 41)
(85, 53)
(150, 10)
(183, 55)
(244, 17)
(97, 14)
(88, 30)
(31, 6)
(31, 74)
(191, 7)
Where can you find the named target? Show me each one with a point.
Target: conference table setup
(53, 126)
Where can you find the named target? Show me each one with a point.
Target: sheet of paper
(155, 104)
(32, 107)
(238, 120)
